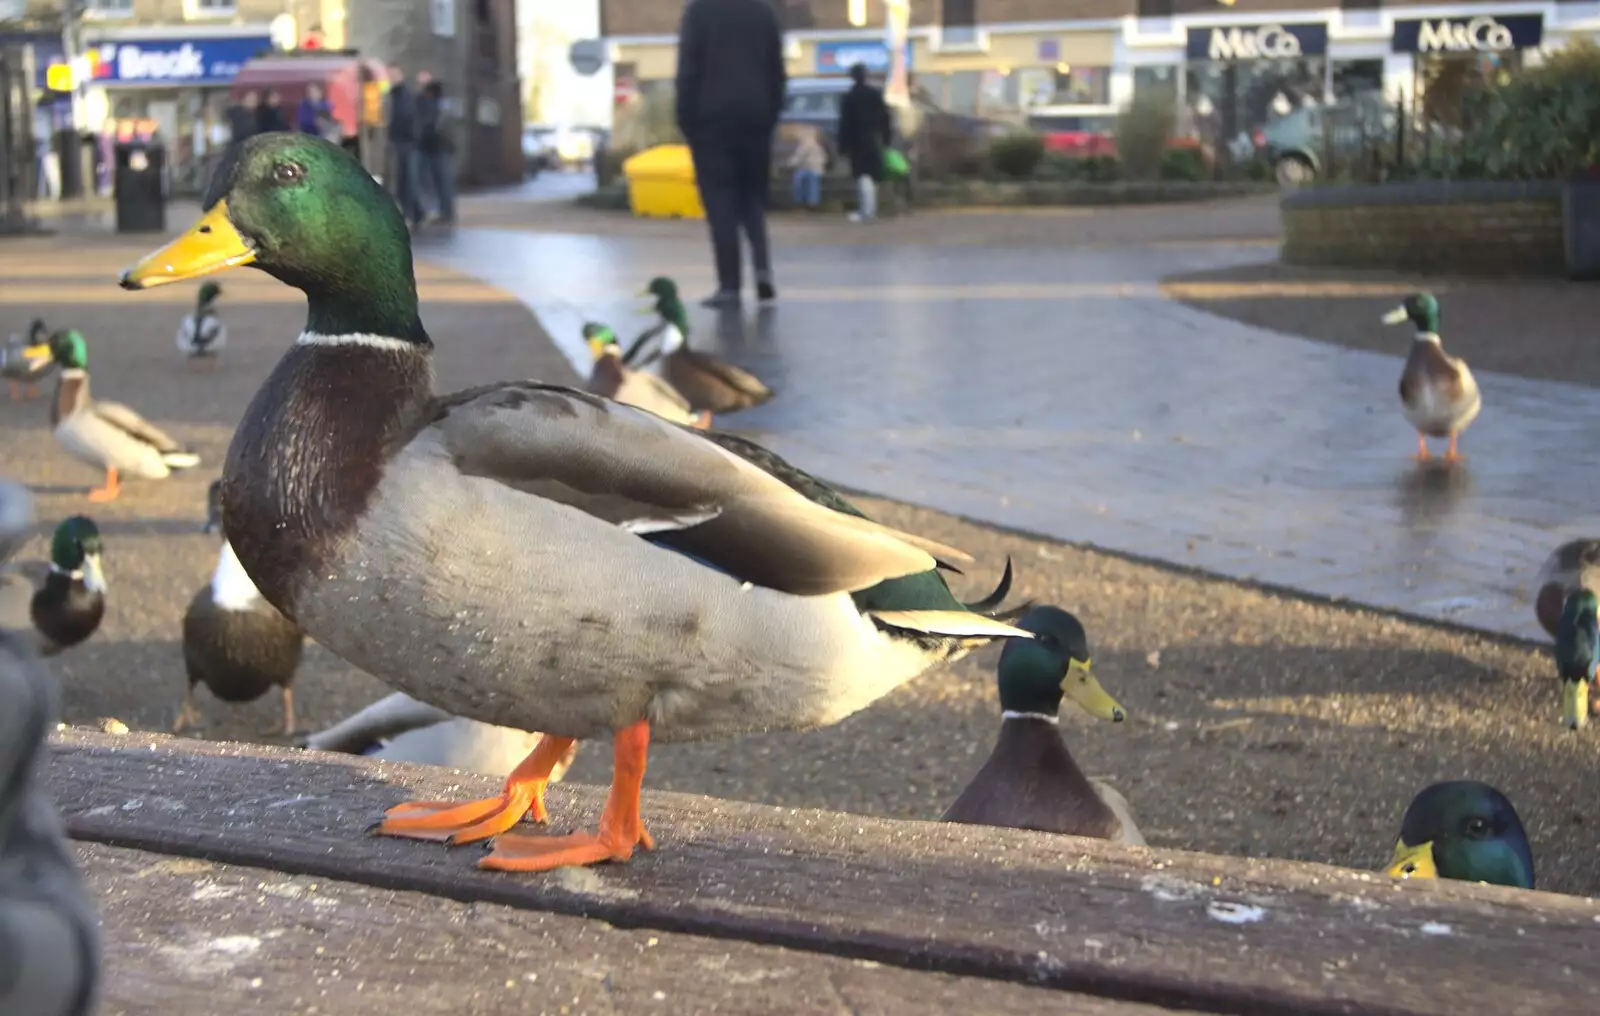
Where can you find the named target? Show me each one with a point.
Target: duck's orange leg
(1452, 455)
(621, 828)
(455, 823)
(1423, 454)
(112, 488)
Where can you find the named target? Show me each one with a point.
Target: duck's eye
(286, 172)
(1476, 828)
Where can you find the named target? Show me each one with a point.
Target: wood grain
(182, 935)
(1167, 928)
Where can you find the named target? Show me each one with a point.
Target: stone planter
(1469, 228)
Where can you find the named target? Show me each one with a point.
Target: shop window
(959, 22)
(207, 8)
(964, 87)
(1357, 79)
(109, 8)
(1156, 8)
(1162, 79)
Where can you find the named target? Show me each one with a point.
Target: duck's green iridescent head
(1577, 656)
(75, 550)
(601, 339)
(665, 301)
(1421, 309)
(69, 349)
(1463, 830)
(306, 212)
(1035, 673)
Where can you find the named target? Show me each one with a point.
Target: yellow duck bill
(1413, 862)
(1081, 686)
(210, 245)
(1396, 316)
(1575, 704)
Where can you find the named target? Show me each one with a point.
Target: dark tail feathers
(990, 605)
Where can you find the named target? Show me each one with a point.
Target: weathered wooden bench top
(235, 878)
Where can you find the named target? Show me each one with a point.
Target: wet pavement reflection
(1057, 391)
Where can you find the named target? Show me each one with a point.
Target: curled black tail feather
(992, 602)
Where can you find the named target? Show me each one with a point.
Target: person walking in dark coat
(403, 148)
(864, 132)
(434, 148)
(269, 115)
(242, 117)
(731, 84)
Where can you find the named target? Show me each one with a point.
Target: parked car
(943, 138)
(1085, 135)
(538, 149)
(1296, 145)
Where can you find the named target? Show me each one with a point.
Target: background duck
(686, 587)
(49, 938)
(1573, 565)
(54, 605)
(234, 641)
(26, 360)
(1463, 830)
(1030, 780)
(613, 379)
(107, 435)
(401, 729)
(1438, 391)
(201, 333)
(706, 381)
(1577, 656)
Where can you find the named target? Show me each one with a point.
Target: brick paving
(1056, 388)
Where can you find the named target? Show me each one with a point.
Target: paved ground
(1261, 724)
(1533, 328)
(1055, 387)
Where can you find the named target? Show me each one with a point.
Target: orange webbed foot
(455, 823)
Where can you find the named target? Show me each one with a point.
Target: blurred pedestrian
(242, 116)
(808, 162)
(730, 90)
(402, 146)
(864, 132)
(314, 114)
(269, 115)
(435, 148)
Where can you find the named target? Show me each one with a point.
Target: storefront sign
(1484, 33)
(1257, 42)
(173, 62)
(839, 57)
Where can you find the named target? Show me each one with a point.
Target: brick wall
(1467, 228)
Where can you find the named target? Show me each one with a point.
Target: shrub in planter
(1542, 124)
(1016, 156)
(1143, 129)
(1182, 164)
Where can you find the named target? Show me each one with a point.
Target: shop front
(179, 83)
(1452, 56)
(1239, 78)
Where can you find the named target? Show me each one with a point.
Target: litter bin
(661, 184)
(136, 186)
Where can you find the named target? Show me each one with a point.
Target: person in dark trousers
(242, 116)
(731, 84)
(269, 115)
(403, 148)
(864, 132)
(434, 148)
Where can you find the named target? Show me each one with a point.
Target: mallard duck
(1030, 780)
(107, 435)
(1463, 830)
(1577, 656)
(401, 729)
(1573, 565)
(1438, 391)
(611, 378)
(525, 554)
(201, 334)
(49, 937)
(234, 642)
(707, 382)
(25, 361)
(54, 605)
